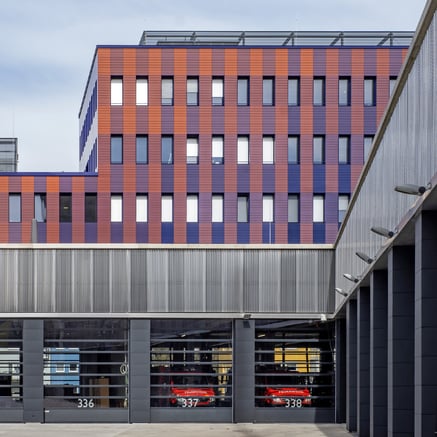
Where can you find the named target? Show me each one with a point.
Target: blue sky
(47, 48)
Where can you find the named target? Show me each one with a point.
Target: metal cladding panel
(194, 281)
(251, 288)
(213, 280)
(119, 280)
(44, 262)
(269, 281)
(101, 282)
(63, 281)
(288, 281)
(138, 280)
(9, 277)
(175, 282)
(157, 280)
(82, 281)
(232, 274)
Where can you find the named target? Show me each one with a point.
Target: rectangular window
(192, 150)
(344, 91)
(40, 203)
(293, 208)
(116, 149)
(141, 149)
(166, 208)
(217, 150)
(319, 150)
(343, 202)
(368, 140)
(293, 91)
(217, 208)
(392, 84)
(90, 207)
(65, 208)
(268, 150)
(217, 91)
(116, 208)
(167, 150)
(319, 91)
(243, 208)
(369, 91)
(141, 208)
(192, 91)
(293, 149)
(14, 208)
(268, 208)
(318, 208)
(268, 91)
(142, 91)
(116, 91)
(243, 150)
(167, 91)
(243, 91)
(343, 149)
(192, 208)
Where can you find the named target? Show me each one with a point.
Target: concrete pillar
(400, 342)
(351, 365)
(425, 364)
(363, 362)
(340, 370)
(378, 353)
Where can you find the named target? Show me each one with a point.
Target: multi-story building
(8, 154)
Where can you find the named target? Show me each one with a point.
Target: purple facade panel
(268, 178)
(116, 179)
(91, 184)
(357, 149)
(269, 113)
(192, 62)
(344, 120)
(40, 185)
(319, 120)
(218, 63)
(142, 120)
(331, 207)
(396, 62)
(243, 120)
(344, 62)
(269, 62)
(369, 62)
(41, 232)
(243, 62)
(116, 232)
(331, 145)
(65, 232)
(192, 179)
(14, 233)
(167, 120)
(294, 62)
(370, 120)
(294, 121)
(167, 62)
(256, 207)
(218, 120)
(192, 120)
(319, 68)
(116, 119)
(218, 182)
(65, 184)
(281, 207)
(167, 179)
(142, 232)
(205, 207)
(243, 178)
(230, 207)
(306, 207)
(142, 176)
(91, 232)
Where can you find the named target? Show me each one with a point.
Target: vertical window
(243, 91)
(116, 149)
(65, 208)
(293, 91)
(268, 208)
(344, 91)
(116, 91)
(268, 150)
(90, 207)
(217, 208)
(192, 91)
(192, 150)
(141, 208)
(343, 202)
(343, 149)
(142, 91)
(319, 91)
(167, 150)
(217, 150)
(268, 91)
(116, 208)
(167, 91)
(243, 208)
(392, 84)
(167, 208)
(318, 208)
(14, 208)
(243, 150)
(192, 208)
(293, 208)
(368, 140)
(217, 91)
(318, 150)
(293, 149)
(40, 203)
(369, 91)
(141, 149)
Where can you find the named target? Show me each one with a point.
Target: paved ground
(168, 430)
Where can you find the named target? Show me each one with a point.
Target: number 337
(85, 403)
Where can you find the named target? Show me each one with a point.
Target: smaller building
(8, 154)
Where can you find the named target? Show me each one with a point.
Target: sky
(47, 48)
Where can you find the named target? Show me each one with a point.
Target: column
(363, 362)
(351, 365)
(340, 370)
(378, 353)
(425, 354)
(400, 342)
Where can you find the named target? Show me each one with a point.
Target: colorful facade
(214, 139)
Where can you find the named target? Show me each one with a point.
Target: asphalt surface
(175, 429)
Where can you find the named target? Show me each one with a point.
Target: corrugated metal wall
(166, 280)
(406, 153)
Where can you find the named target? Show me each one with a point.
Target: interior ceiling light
(366, 258)
(340, 291)
(416, 190)
(382, 231)
(350, 277)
